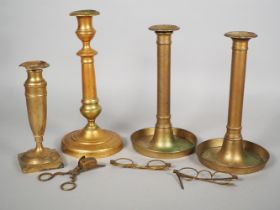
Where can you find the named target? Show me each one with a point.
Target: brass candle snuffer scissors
(151, 165)
(84, 164)
(216, 177)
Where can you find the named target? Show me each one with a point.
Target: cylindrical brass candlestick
(91, 141)
(40, 158)
(163, 141)
(233, 154)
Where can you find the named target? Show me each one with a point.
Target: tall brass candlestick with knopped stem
(90, 141)
(40, 158)
(232, 154)
(163, 141)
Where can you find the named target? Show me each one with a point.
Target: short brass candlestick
(40, 158)
(91, 141)
(232, 154)
(163, 141)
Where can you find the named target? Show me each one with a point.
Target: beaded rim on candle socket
(163, 141)
(90, 141)
(232, 154)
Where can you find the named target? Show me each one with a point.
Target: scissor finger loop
(188, 177)
(224, 180)
(48, 176)
(45, 176)
(204, 178)
(68, 186)
(188, 168)
(164, 165)
(125, 165)
(230, 176)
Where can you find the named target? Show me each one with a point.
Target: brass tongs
(216, 177)
(151, 165)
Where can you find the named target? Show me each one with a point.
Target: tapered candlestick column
(232, 150)
(39, 158)
(163, 141)
(233, 154)
(163, 136)
(91, 141)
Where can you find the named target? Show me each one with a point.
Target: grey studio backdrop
(126, 82)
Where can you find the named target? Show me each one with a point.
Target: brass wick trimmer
(90, 141)
(40, 158)
(232, 154)
(163, 141)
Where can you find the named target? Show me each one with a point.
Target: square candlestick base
(35, 161)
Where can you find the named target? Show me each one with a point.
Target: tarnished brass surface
(86, 12)
(163, 141)
(254, 157)
(182, 143)
(232, 154)
(84, 164)
(190, 174)
(90, 141)
(158, 165)
(40, 158)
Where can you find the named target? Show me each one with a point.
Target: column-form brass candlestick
(90, 141)
(163, 141)
(40, 158)
(233, 154)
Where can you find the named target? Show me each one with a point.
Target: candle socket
(163, 141)
(232, 154)
(39, 158)
(90, 141)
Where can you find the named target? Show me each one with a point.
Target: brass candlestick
(91, 141)
(232, 154)
(163, 141)
(40, 158)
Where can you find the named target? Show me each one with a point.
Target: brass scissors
(216, 177)
(151, 165)
(84, 164)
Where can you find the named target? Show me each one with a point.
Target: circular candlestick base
(34, 161)
(254, 157)
(96, 143)
(183, 144)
